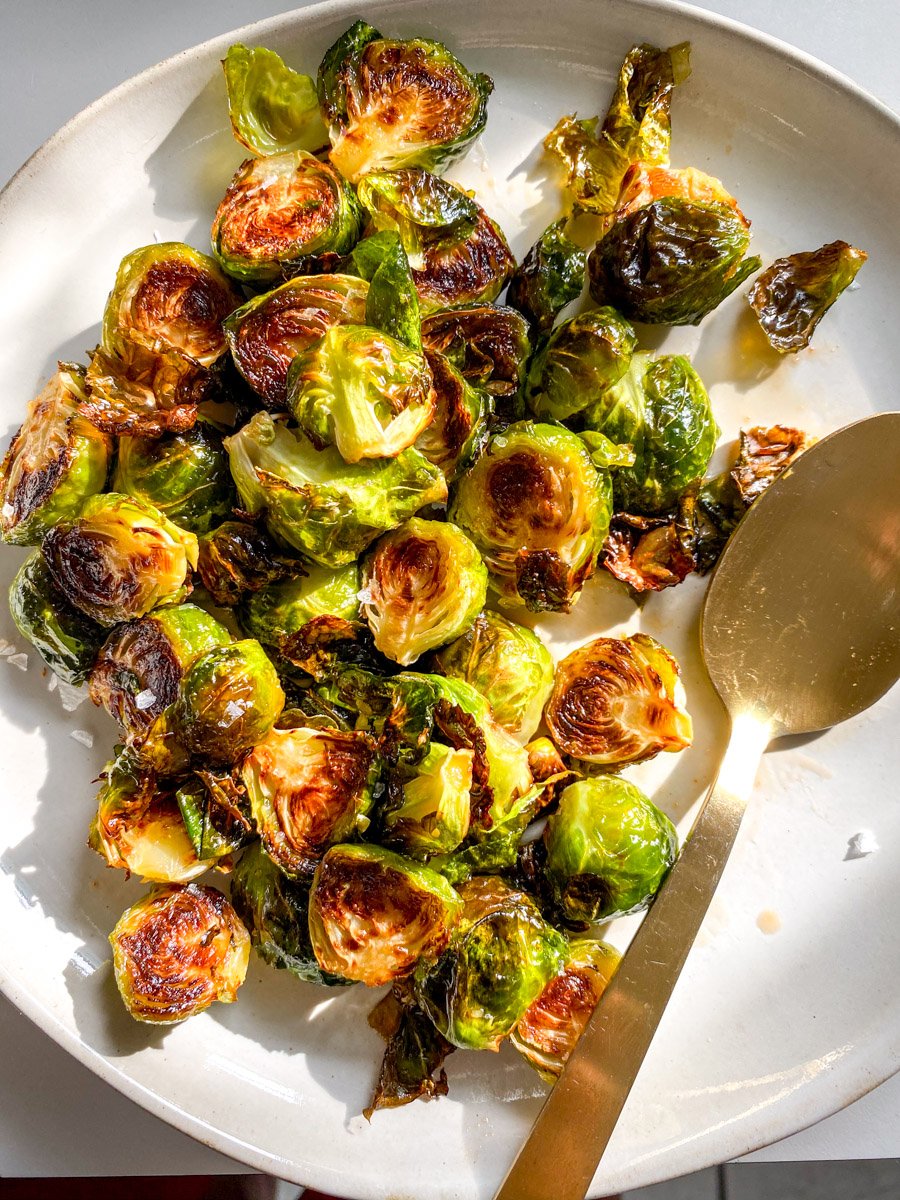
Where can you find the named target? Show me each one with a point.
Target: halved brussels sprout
(549, 277)
(396, 104)
(500, 959)
(308, 789)
(373, 914)
(277, 611)
(316, 502)
(463, 271)
(489, 346)
(185, 475)
(54, 462)
(120, 558)
(792, 296)
(362, 391)
(230, 699)
(169, 296)
(608, 849)
(619, 700)
(273, 109)
(279, 210)
(216, 815)
(176, 951)
(392, 303)
(239, 557)
(509, 665)
(578, 363)
(141, 393)
(547, 1033)
(65, 638)
(423, 584)
(538, 510)
(140, 666)
(460, 426)
(433, 808)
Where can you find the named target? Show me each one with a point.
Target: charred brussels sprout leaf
(423, 584)
(398, 103)
(489, 346)
(276, 612)
(501, 957)
(671, 262)
(280, 210)
(432, 810)
(764, 455)
(578, 363)
(460, 426)
(215, 814)
(647, 553)
(415, 1051)
(273, 109)
(239, 557)
(362, 391)
(608, 849)
(65, 638)
(55, 461)
(317, 503)
(373, 914)
(120, 559)
(176, 951)
(141, 393)
(185, 475)
(792, 296)
(538, 510)
(619, 701)
(392, 304)
(509, 665)
(550, 277)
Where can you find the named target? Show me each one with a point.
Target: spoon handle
(573, 1128)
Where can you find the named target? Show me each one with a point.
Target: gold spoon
(800, 630)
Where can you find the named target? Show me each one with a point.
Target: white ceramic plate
(788, 1008)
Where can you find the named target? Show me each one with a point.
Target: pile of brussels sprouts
(362, 470)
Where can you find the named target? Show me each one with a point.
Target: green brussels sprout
(550, 276)
(431, 813)
(548, 1030)
(238, 557)
(502, 955)
(138, 392)
(362, 391)
(277, 611)
(538, 510)
(608, 849)
(216, 816)
(176, 951)
(460, 426)
(392, 303)
(120, 558)
(618, 700)
(140, 666)
(317, 503)
(279, 210)
(275, 910)
(393, 104)
(273, 109)
(269, 331)
(578, 363)
(65, 638)
(509, 665)
(672, 261)
(423, 585)
(230, 698)
(185, 475)
(308, 789)
(373, 914)
(662, 410)
(792, 296)
(54, 462)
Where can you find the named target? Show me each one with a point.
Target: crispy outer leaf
(272, 108)
(415, 1051)
(392, 302)
(792, 296)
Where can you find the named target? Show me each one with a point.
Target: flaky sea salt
(83, 736)
(144, 700)
(71, 697)
(18, 660)
(861, 845)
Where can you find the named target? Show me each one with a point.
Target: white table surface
(55, 1116)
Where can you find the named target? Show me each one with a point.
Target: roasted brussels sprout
(138, 671)
(273, 109)
(500, 959)
(792, 296)
(283, 209)
(185, 475)
(120, 558)
(393, 104)
(460, 425)
(362, 391)
(618, 700)
(608, 849)
(230, 699)
(277, 611)
(648, 553)
(547, 1032)
(141, 393)
(538, 510)
(392, 303)
(176, 951)
(423, 585)
(308, 789)
(316, 502)
(550, 276)
(489, 346)
(65, 638)
(433, 808)
(373, 914)
(54, 462)
(509, 665)
(239, 557)
(414, 1054)
(578, 363)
